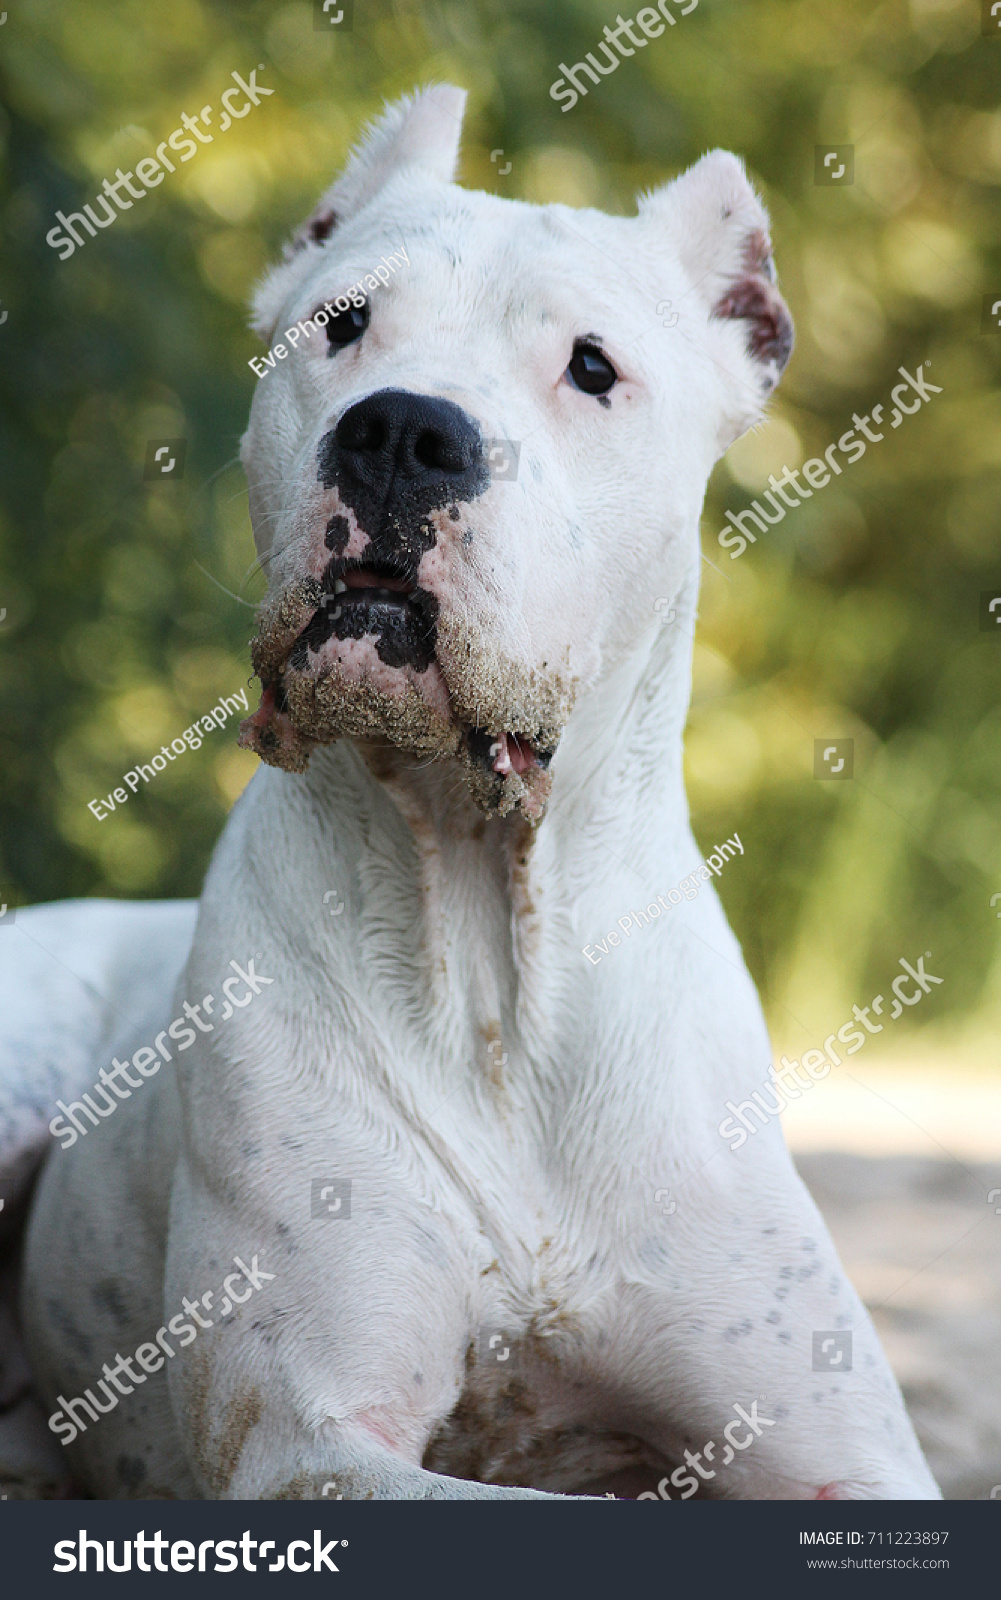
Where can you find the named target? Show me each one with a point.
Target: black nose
(412, 434)
(395, 456)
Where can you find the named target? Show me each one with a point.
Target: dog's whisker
(239, 598)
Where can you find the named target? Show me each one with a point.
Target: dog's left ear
(718, 228)
(421, 132)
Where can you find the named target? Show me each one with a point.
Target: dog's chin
(499, 722)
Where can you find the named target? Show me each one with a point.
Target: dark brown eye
(590, 371)
(345, 327)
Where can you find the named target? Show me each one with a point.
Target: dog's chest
(531, 1412)
(534, 1406)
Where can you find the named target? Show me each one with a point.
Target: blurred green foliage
(128, 603)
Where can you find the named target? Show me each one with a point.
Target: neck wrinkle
(618, 803)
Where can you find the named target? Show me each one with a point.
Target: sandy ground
(901, 1165)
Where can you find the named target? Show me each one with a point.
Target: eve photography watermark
(190, 739)
(355, 296)
(634, 921)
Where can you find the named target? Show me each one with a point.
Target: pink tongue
(509, 756)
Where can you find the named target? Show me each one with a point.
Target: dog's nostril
(366, 431)
(432, 449)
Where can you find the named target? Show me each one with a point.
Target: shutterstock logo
(833, 758)
(834, 164)
(832, 1350)
(164, 459)
(71, 1554)
(502, 457)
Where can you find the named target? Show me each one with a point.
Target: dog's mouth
(504, 753)
(358, 599)
(357, 653)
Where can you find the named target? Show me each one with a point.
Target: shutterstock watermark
(818, 1063)
(150, 171)
(737, 538)
(688, 888)
(68, 1420)
(190, 739)
(148, 1059)
(684, 1477)
(651, 25)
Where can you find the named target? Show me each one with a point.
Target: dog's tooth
(499, 756)
(340, 587)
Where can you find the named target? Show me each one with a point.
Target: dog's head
(482, 446)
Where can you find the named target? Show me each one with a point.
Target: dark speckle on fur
(109, 1296)
(322, 226)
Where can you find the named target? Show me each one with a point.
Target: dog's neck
(617, 799)
(476, 924)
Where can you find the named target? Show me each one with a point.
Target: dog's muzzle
(402, 468)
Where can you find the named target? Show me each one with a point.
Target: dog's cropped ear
(420, 131)
(717, 227)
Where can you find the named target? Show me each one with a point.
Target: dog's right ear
(420, 131)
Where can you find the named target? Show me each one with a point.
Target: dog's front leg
(321, 1365)
(251, 1437)
(344, 1462)
(760, 1361)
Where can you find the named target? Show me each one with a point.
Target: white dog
(434, 1138)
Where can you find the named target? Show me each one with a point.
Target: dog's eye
(590, 371)
(345, 327)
